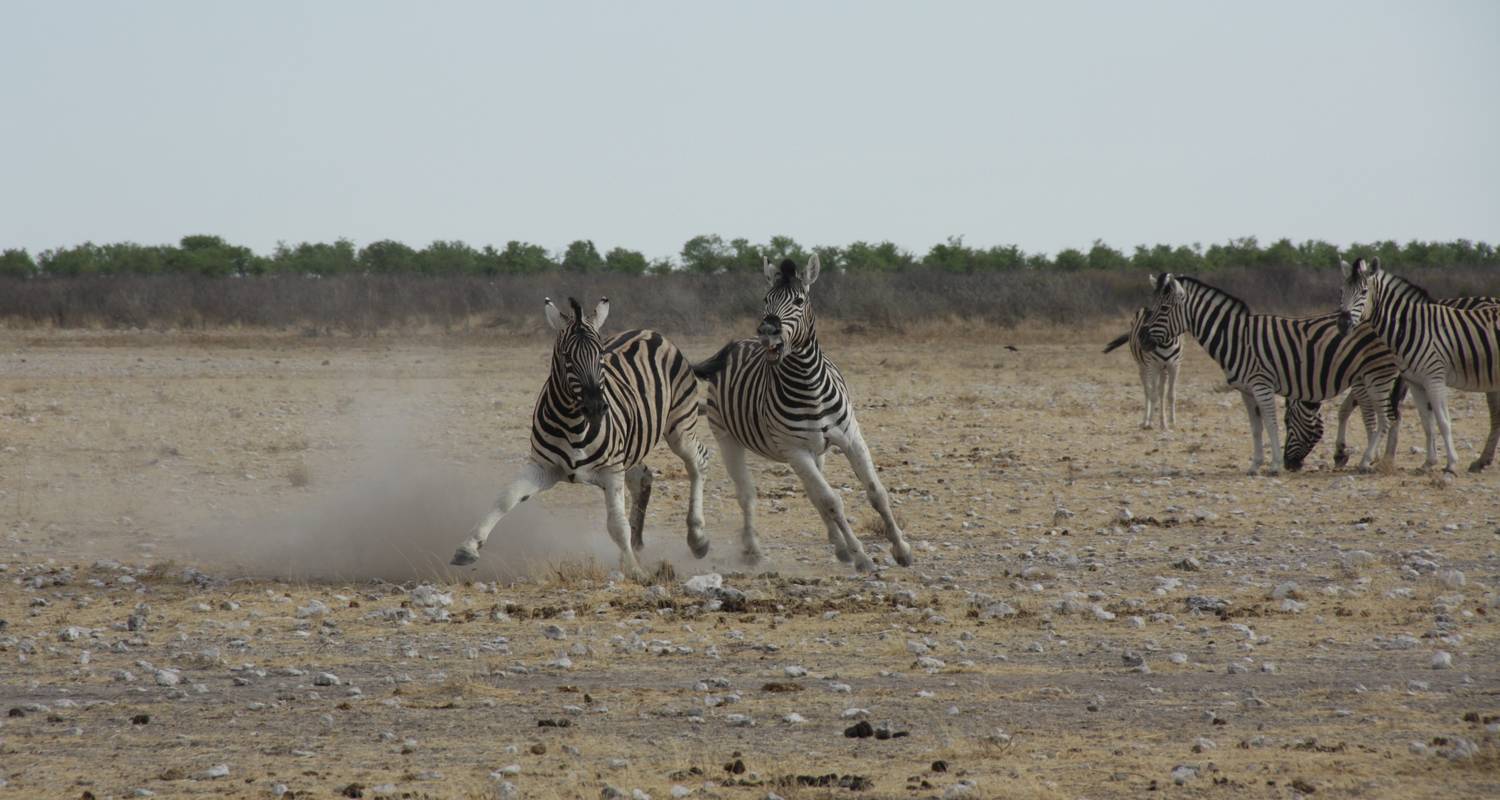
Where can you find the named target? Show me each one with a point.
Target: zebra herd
(1388, 335)
(608, 402)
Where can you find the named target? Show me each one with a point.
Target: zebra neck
(560, 405)
(1390, 301)
(1216, 320)
(798, 364)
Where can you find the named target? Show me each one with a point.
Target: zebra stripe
(1436, 346)
(1305, 360)
(1158, 369)
(605, 405)
(780, 397)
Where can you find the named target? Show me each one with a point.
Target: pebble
(1183, 773)
(1442, 659)
(167, 677)
(326, 679)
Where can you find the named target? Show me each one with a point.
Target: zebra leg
(1488, 455)
(1373, 422)
(1171, 370)
(613, 484)
(694, 458)
(846, 545)
(1150, 392)
(744, 490)
(1392, 413)
(1340, 449)
(864, 467)
(1439, 396)
(638, 484)
(1252, 409)
(1424, 413)
(1273, 436)
(534, 479)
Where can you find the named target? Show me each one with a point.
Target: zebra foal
(605, 405)
(1158, 368)
(779, 396)
(1437, 347)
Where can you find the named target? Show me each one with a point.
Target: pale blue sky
(1045, 125)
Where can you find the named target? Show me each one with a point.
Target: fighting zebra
(1305, 360)
(1351, 403)
(1158, 368)
(605, 405)
(1437, 347)
(782, 398)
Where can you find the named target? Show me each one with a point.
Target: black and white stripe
(780, 397)
(1305, 360)
(1437, 347)
(1158, 367)
(605, 405)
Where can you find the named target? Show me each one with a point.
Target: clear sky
(1042, 124)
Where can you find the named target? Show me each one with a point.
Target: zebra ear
(769, 269)
(601, 313)
(810, 272)
(554, 317)
(1152, 278)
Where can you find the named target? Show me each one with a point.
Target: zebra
(1351, 401)
(782, 398)
(1305, 360)
(605, 405)
(1158, 368)
(1437, 347)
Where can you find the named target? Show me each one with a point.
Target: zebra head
(788, 321)
(1354, 300)
(1168, 317)
(576, 356)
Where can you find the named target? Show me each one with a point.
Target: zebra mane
(788, 273)
(1234, 301)
(577, 310)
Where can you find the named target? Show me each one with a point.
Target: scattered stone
(326, 679)
(1442, 659)
(213, 773)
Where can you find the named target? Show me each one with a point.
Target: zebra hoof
(751, 556)
(902, 554)
(464, 556)
(698, 544)
(842, 555)
(864, 564)
(1449, 473)
(1478, 466)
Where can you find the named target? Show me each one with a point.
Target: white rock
(794, 719)
(855, 713)
(1183, 773)
(213, 773)
(326, 679)
(167, 677)
(1442, 659)
(795, 672)
(704, 584)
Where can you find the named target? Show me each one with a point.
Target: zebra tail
(714, 365)
(1124, 337)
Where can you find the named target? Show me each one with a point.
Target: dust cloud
(388, 509)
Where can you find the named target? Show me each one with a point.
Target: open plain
(223, 573)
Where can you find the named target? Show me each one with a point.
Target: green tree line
(212, 256)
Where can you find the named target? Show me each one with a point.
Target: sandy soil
(197, 527)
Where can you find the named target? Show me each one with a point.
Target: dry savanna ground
(223, 562)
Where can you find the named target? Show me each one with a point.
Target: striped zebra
(782, 398)
(605, 405)
(1437, 347)
(1351, 404)
(1304, 360)
(1158, 368)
